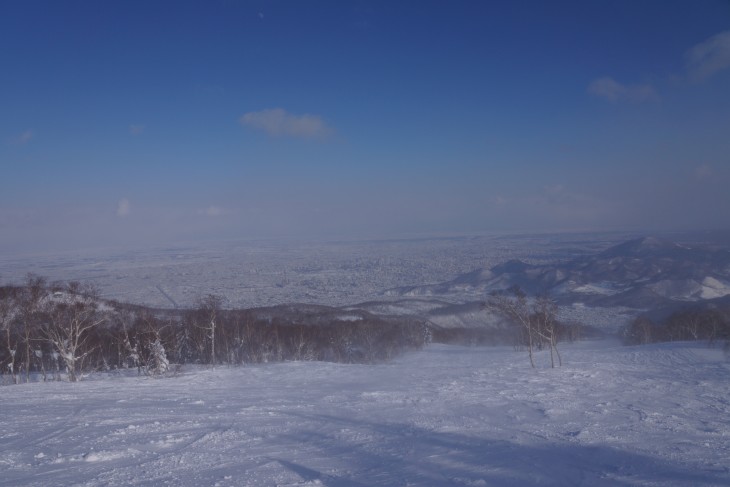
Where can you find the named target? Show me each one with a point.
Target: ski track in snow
(654, 416)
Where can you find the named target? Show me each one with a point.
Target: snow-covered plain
(250, 273)
(612, 415)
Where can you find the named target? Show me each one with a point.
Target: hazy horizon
(135, 124)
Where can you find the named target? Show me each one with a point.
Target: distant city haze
(150, 123)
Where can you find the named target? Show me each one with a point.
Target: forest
(56, 331)
(696, 322)
(50, 330)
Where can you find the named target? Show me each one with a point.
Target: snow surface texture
(629, 416)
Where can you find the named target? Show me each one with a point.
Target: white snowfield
(615, 416)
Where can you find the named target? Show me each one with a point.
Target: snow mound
(714, 288)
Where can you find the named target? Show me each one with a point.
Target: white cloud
(555, 207)
(212, 211)
(557, 194)
(553, 189)
(136, 129)
(703, 171)
(22, 138)
(25, 137)
(124, 208)
(614, 91)
(709, 57)
(277, 121)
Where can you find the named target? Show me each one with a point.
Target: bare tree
(514, 307)
(68, 331)
(639, 331)
(300, 344)
(7, 316)
(544, 317)
(29, 307)
(368, 337)
(208, 308)
(537, 322)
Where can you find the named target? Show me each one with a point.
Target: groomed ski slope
(615, 416)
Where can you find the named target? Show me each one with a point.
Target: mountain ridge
(643, 272)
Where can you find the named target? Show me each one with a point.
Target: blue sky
(144, 123)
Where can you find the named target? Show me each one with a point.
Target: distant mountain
(641, 273)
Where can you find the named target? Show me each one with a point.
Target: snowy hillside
(657, 415)
(641, 273)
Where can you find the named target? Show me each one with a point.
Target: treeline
(694, 323)
(63, 330)
(474, 336)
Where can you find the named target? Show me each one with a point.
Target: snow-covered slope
(641, 273)
(444, 416)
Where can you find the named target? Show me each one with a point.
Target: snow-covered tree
(68, 330)
(131, 352)
(158, 363)
(7, 315)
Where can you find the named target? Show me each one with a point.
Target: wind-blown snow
(612, 415)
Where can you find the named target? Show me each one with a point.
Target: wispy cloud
(709, 57)
(556, 193)
(566, 207)
(124, 208)
(499, 200)
(277, 121)
(703, 171)
(212, 211)
(135, 129)
(554, 207)
(613, 91)
(22, 138)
